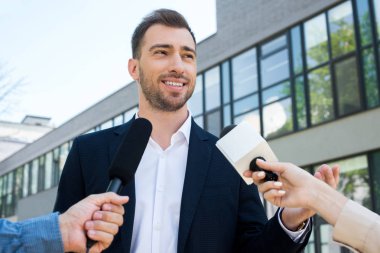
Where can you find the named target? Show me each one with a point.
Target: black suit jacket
(219, 212)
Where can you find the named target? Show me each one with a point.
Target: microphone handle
(114, 186)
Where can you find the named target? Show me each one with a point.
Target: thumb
(108, 197)
(272, 166)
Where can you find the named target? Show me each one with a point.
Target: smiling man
(185, 196)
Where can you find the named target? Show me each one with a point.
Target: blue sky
(73, 53)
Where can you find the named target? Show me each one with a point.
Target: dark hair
(165, 17)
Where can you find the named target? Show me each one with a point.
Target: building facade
(305, 73)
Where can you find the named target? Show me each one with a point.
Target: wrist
(64, 229)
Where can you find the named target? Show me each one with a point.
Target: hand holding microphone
(127, 158)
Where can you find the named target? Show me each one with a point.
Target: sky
(68, 55)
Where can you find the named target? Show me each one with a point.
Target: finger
(99, 225)
(318, 175)
(273, 166)
(336, 173)
(247, 173)
(270, 185)
(108, 197)
(258, 177)
(108, 217)
(274, 196)
(103, 239)
(329, 177)
(113, 208)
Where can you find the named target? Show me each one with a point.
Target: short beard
(157, 99)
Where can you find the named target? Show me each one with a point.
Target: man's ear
(133, 69)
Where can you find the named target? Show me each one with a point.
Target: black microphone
(269, 175)
(127, 158)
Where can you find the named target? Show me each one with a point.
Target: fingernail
(261, 174)
(90, 232)
(281, 192)
(89, 225)
(278, 183)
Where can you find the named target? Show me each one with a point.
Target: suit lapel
(196, 172)
(129, 190)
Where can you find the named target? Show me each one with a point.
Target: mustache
(174, 75)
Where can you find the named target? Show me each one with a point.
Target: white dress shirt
(159, 183)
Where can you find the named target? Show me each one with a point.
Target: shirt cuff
(42, 234)
(297, 236)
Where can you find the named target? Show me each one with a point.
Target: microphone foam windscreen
(130, 151)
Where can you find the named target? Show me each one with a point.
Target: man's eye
(190, 56)
(160, 52)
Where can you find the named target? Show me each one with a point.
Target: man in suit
(185, 197)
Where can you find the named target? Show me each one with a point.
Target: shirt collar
(184, 129)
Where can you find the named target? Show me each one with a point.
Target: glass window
(347, 86)
(316, 41)
(64, 151)
(18, 182)
(226, 82)
(273, 45)
(106, 124)
(34, 177)
(130, 113)
(275, 68)
(48, 170)
(25, 184)
(276, 92)
(341, 29)
(370, 78)
(278, 118)
(244, 74)
(227, 115)
(354, 179)
(195, 103)
(251, 117)
(377, 14)
(199, 121)
(321, 101)
(118, 120)
(300, 103)
(246, 104)
(296, 50)
(56, 171)
(41, 173)
(375, 169)
(213, 122)
(364, 22)
(212, 88)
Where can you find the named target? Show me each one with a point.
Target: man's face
(166, 69)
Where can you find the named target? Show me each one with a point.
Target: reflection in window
(300, 103)
(227, 115)
(275, 68)
(226, 82)
(34, 177)
(106, 125)
(276, 92)
(213, 122)
(273, 45)
(364, 22)
(48, 170)
(278, 118)
(370, 78)
(296, 50)
(252, 117)
(118, 120)
(212, 88)
(64, 151)
(25, 183)
(316, 41)
(375, 168)
(354, 179)
(246, 104)
(341, 29)
(128, 115)
(199, 121)
(347, 86)
(244, 73)
(195, 103)
(321, 102)
(56, 171)
(377, 14)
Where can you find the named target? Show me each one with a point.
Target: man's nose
(177, 64)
